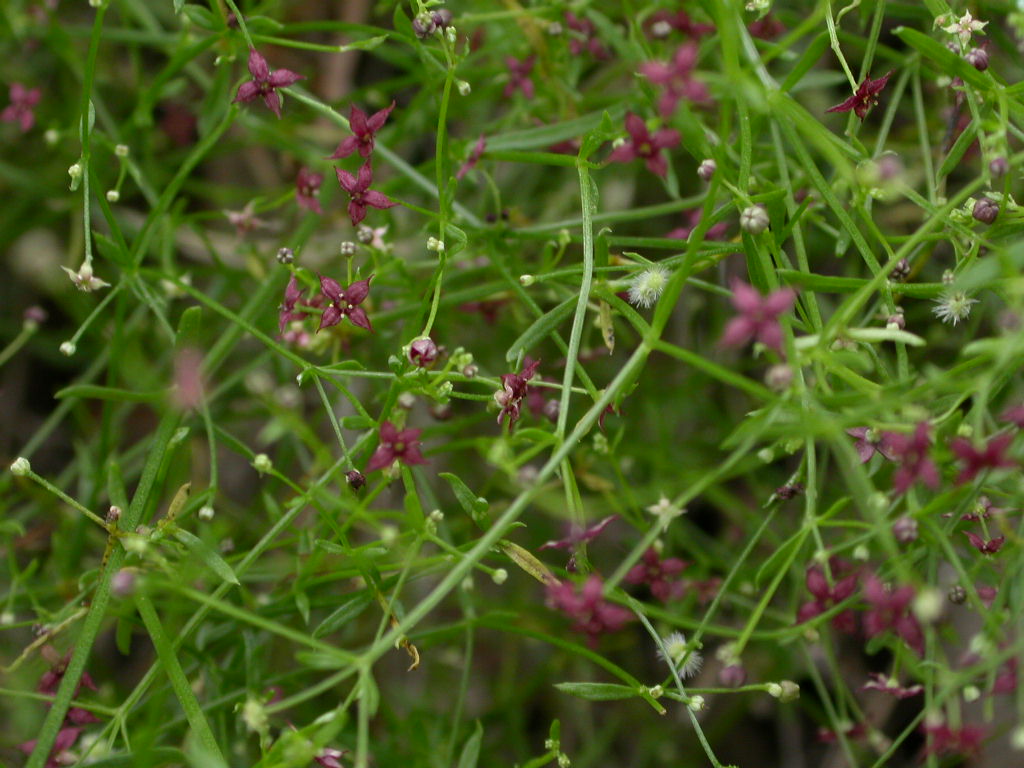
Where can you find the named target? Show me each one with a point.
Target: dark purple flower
(287, 313)
(576, 537)
(513, 389)
(519, 76)
(1006, 677)
(355, 479)
(642, 144)
(307, 187)
(473, 159)
(1014, 415)
(394, 444)
(265, 83)
(590, 612)
(944, 740)
(985, 210)
(66, 738)
(364, 129)
(345, 302)
(583, 37)
(890, 610)
(864, 98)
(329, 758)
(868, 443)
(21, 108)
(676, 78)
(879, 682)
(766, 28)
(655, 573)
(661, 23)
(992, 456)
(758, 316)
(912, 453)
(989, 547)
(826, 597)
(358, 188)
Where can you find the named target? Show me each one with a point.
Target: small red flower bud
(985, 210)
(422, 352)
(977, 58)
(356, 479)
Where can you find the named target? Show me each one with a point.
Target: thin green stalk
(182, 688)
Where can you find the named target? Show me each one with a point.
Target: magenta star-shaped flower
(661, 23)
(992, 456)
(344, 302)
(676, 78)
(890, 610)
(519, 76)
(826, 597)
(589, 611)
(989, 547)
(358, 188)
(869, 443)
(402, 445)
(265, 83)
(865, 97)
(364, 129)
(758, 316)
(473, 159)
(583, 37)
(307, 187)
(578, 535)
(879, 682)
(658, 575)
(513, 389)
(642, 144)
(912, 453)
(22, 106)
(287, 313)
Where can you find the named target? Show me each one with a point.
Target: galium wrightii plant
(515, 383)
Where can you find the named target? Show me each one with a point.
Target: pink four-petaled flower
(403, 445)
(864, 98)
(758, 316)
(676, 78)
(657, 574)
(519, 76)
(22, 106)
(307, 187)
(265, 83)
(358, 188)
(345, 302)
(915, 463)
(513, 389)
(890, 610)
(826, 597)
(364, 129)
(642, 144)
(992, 456)
(590, 612)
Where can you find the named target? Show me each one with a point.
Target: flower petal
(358, 291)
(282, 78)
(378, 199)
(331, 288)
(258, 66)
(358, 317)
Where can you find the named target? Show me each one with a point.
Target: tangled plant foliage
(511, 383)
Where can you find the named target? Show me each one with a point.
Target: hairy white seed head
(687, 661)
(954, 306)
(646, 287)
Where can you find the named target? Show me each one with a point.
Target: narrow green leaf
(352, 607)
(474, 506)
(471, 749)
(363, 45)
(783, 554)
(525, 560)
(206, 555)
(598, 691)
(96, 392)
(959, 148)
(541, 327)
